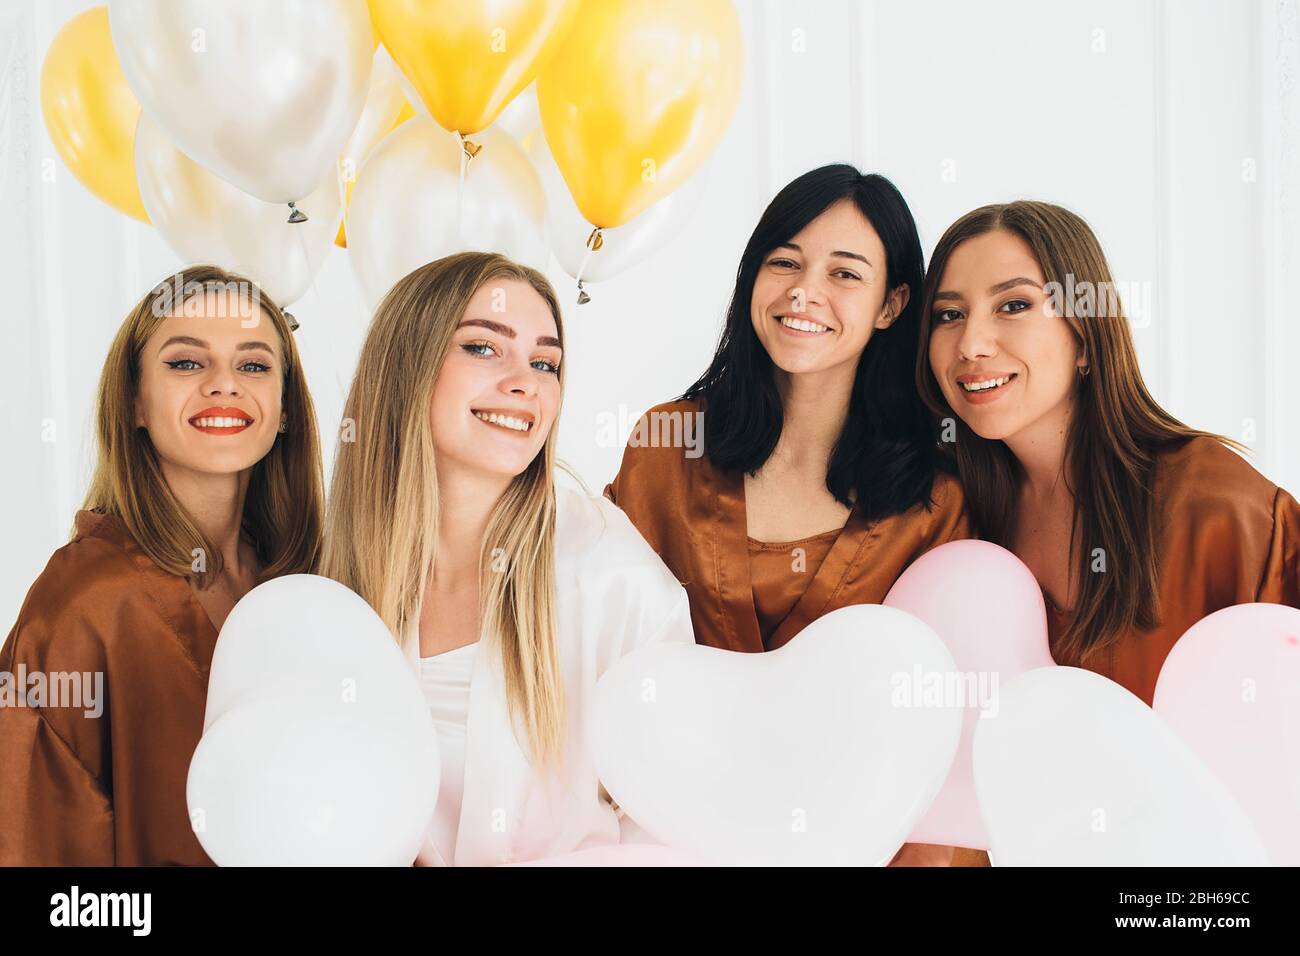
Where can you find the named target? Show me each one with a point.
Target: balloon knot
(583, 298)
(296, 214)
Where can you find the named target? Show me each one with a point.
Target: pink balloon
(1231, 689)
(619, 854)
(988, 608)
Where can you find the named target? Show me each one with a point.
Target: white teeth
(221, 422)
(505, 421)
(803, 325)
(985, 384)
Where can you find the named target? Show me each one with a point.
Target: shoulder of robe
(947, 496)
(1205, 478)
(650, 445)
(599, 537)
(68, 604)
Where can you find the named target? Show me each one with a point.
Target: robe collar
(733, 589)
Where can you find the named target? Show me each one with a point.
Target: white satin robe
(613, 596)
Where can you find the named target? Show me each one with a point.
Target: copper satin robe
(693, 515)
(107, 790)
(1225, 535)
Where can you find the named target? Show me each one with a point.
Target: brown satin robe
(87, 791)
(1226, 535)
(693, 515)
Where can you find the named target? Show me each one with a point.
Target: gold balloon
(637, 98)
(90, 112)
(468, 58)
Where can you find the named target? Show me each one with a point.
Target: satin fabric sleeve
(55, 807)
(1280, 581)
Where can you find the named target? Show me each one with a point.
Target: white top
(613, 595)
(444, 679)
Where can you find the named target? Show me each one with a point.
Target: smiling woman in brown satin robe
(800, 473)
(208, 481)
(1136, 525)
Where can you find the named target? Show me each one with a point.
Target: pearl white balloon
(404, 214)
(206, 219)
(384, 102)
(318, 745)
(1076, 771)
(264, 93)
(805, 755)
(567, 230)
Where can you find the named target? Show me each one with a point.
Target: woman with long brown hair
(208, 482)
(1135, 524)
(444, 515)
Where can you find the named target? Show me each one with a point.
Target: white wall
(1173, 127)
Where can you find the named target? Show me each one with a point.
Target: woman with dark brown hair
(208, 482)
(1136, 525)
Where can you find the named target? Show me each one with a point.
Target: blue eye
(257, 366)
(177, 363)
(547, 366)
(473, 348)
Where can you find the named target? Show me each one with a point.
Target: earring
(1084, 370)
(284, 426)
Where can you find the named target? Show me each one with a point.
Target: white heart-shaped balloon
(318, 745)
(1076, 771)
(823, 751)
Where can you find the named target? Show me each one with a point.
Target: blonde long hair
(382, 521)
(284, 505)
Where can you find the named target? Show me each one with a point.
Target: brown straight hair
(284, 506)
(1116, 433)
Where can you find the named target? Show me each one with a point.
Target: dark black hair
(885, 459)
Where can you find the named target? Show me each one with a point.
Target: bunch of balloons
(940, 717)
(255, 135)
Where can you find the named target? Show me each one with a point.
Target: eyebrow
(508, 332)
(199, 343)
(993, 290)
(839, 252)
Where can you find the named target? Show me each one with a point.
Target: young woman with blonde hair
(208, 482)
(510, 597)
(1136, 525)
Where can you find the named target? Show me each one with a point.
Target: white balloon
(276, 783)
(522, 115)
(264, 94)
(206, 219)
(567, 230)
(318, 744)
(403, 212)
(384, 102)
(1076, 771)
(806, 755)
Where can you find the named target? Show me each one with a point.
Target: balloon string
(460, 191)
(594, 242)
